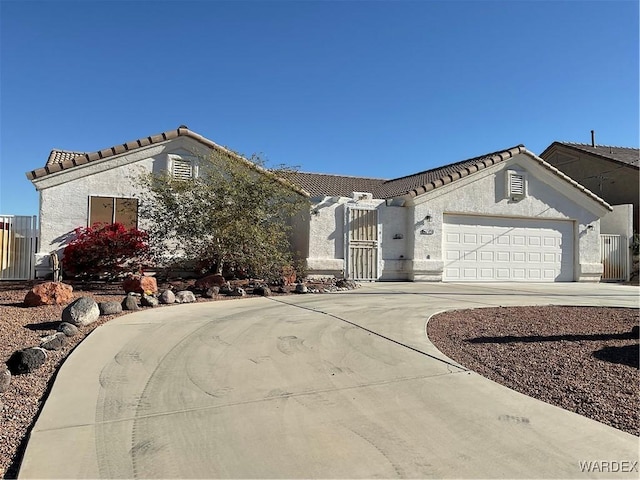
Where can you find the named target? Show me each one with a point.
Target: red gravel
(582, 359)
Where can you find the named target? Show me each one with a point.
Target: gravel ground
(582, 359)
(568, 364)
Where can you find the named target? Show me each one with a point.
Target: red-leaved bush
(105, 251)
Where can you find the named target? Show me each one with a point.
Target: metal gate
(17, 247)
(614, 253)
(362, 253)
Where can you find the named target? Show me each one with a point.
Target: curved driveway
(339, 385)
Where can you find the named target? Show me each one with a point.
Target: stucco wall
(64, 196)
(327, 237)
(615, 183)
(618, 222)
(483, 193)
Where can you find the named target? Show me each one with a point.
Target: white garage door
(485, 249)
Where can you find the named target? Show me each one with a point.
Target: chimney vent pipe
(593, 138)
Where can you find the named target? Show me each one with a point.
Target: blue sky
(365, 88)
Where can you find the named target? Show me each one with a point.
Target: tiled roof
(63, 160)
(626, 155)
(59, 156)
(60, 160)
(317, 184)
(422, 182)
(320, 184)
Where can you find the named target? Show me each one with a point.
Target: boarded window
(112, 210)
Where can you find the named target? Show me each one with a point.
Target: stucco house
(612, 173)
(503, 216)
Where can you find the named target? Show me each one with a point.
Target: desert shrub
(105, 251)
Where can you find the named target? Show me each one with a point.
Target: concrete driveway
(340, 385)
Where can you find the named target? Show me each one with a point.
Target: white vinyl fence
(18, 239)
(614, 251)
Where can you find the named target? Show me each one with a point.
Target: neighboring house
(505, 216)
(612, 173)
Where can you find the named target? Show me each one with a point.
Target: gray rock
(53, 342)
(68, 329)
(301, 288)
(130, 302)
(82, 312)
(110, 308)
(237, 292)
(5, 379)
(211, 292)
(149, 301)
(185, 296)
(27, 360)
(167, 297)
(262, 290)
(226, 289)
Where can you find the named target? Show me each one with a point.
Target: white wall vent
(182, 168)
(516, 185)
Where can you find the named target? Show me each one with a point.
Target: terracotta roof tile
(422, 182)
(320, 184)
(59, 156)
(317, 184)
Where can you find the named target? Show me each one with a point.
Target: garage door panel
(502, 256)
(518, 257)
(506, 249)
(486, 256)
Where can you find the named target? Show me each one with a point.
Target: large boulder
(167, 297)
(140, 284)
(110, 308)
(27, 360)
(204, 283)
(301, 288)
(5, 378)
(54, 342)
(49, 293)
(185, 296)
(82, 312)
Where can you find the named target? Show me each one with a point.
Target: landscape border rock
(81, 312)
(49, 293)
(26, 360)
